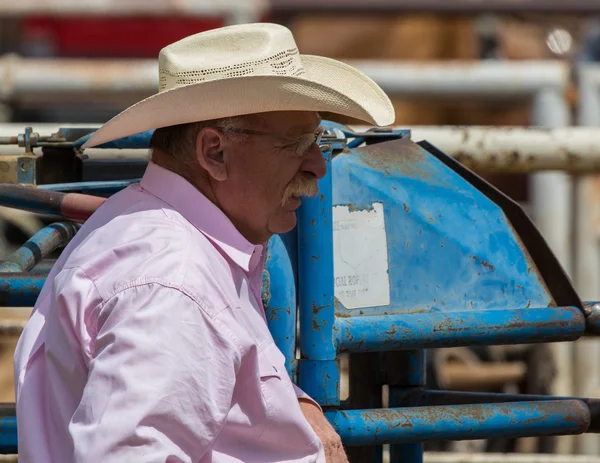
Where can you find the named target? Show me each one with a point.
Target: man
(149, 342)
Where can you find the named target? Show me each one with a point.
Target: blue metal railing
(416, 414)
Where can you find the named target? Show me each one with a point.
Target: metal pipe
(412, 364)
(460, 422)
(8, 435)
(316, 294)
(551, 199)
(515, 149)
(39, 246)
(56, 78)
(449, 329)
(436, 6)
(279, 296)
(490, 149)
(72, 206)
(489, 79)
(20, 289)
(586, 377)
(98, 187)
(428, 397)
(456, 457)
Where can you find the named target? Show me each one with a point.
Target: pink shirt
(149, 343)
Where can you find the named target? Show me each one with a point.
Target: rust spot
(314, 257)
(406, 209)
(317, 308)
(484, 263)
(313, 222)
(273, 312)
(401, 155)
(487, 265)
(393, 331)
(356, 208)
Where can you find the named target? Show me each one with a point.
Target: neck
(199, 178)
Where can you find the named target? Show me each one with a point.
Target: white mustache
(301, 185)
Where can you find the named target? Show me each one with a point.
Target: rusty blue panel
(460, 422)
(447, 329)
(8, 435)
(449, 247)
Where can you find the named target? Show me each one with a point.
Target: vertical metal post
(551, 200)
(404, 370)
(279, 297)
(318, 371)
(587, 255)
(365, 387)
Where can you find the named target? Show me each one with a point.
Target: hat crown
(243, 50)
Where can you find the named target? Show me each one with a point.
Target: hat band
(283, 63)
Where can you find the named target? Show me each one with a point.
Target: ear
(210, 144)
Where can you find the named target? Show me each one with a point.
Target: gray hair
(179, 141)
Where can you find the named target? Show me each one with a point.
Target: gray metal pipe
(490, 149)
(515, 150)
(28, 77)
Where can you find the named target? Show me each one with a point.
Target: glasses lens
(305, 142)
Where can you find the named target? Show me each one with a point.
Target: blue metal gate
(402, 251)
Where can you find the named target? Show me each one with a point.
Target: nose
(314, 162)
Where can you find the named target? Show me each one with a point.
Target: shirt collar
(183, 197)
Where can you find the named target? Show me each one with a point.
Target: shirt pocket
(286, 425)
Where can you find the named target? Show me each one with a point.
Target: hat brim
(328, 86)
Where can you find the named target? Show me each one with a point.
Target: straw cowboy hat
(245, 69)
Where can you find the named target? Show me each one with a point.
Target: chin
(284, 223)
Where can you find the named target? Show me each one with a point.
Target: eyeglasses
(303, 142)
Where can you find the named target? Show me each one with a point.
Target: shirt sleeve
(300, 394)
(160, 380)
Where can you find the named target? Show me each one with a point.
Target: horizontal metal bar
(39, 246)
(436, 6)
(502, 149)
(20, 289)
(591, 310)
(513, 149)
(448, 329)
(460, 422)
(419, 397)
(73, 206)
(98, 187)
(457, 457)
(8, 435)
(59, 77)
(492, 79)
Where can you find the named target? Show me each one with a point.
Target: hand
(332, 443)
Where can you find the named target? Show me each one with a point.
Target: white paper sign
(360, 257)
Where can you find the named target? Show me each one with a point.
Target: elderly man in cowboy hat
(149, 342)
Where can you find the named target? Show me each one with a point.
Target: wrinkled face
(267, 175)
